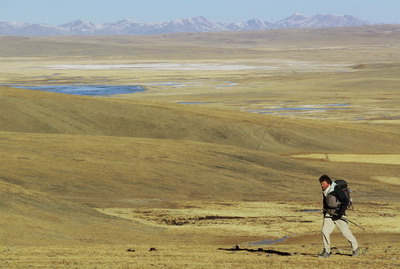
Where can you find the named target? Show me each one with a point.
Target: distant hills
(191, 25)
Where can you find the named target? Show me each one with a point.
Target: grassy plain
(84, 179)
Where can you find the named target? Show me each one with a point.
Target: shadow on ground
(276, 252)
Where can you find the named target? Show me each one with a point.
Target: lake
(88, 90)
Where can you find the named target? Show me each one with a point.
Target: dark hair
(326, 179)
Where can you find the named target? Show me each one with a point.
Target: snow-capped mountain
(27, 29)
(319, 21)
(251, 25)
(295, 21)
(81, 27)
(192, 25)
(195, 24)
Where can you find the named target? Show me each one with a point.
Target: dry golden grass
(203, 236)
(83, 179)
(190, 257)
(355, 158)
(390, 180)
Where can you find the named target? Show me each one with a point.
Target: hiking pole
(345, 219)
(352, 222)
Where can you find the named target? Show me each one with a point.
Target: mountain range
(194, 24)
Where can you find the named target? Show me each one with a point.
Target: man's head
(325, 182)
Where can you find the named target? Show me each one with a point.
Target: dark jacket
(336, 200)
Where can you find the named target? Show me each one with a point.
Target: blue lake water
(89, 90)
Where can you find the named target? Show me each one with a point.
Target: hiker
(335, 204)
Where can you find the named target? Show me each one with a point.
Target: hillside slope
(63, 156)
(36, 218)
(95, 167)
(40, 112)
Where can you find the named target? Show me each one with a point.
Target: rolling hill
(64, 155)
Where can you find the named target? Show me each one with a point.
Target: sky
(58, 12)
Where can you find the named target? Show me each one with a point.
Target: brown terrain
(215, 164)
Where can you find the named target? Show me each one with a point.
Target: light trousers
(327, 228)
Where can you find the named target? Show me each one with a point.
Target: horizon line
(198, 16)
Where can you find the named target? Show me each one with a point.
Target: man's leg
(327, 228)
(345, 229)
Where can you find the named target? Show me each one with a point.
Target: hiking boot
(324, 254)
(356, 252)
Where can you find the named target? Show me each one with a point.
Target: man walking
(335, 204)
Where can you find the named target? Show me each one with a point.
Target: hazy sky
(99, 11)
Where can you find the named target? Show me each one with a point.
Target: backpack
(344, 187)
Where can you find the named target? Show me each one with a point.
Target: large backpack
(344, 187)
